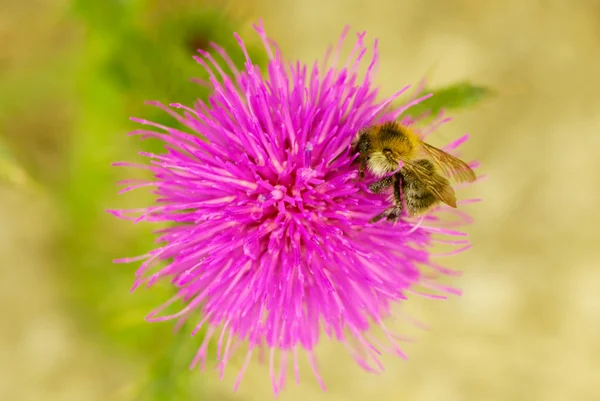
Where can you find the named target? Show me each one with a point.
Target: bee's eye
(387, 151)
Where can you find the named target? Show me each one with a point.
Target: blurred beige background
(528, 325)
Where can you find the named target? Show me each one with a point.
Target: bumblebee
(419, 184)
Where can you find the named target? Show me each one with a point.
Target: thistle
(270, 242)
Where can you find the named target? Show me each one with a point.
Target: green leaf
(453, 97)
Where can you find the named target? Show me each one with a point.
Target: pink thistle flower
(272, 241)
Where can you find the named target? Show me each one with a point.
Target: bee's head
(383, 146)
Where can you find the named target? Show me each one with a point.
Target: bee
(418, 184)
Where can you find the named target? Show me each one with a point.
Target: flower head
(271, 241)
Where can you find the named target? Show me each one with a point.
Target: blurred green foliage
(457, 96)
(132, 53)
(129, 52)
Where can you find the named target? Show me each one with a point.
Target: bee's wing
(450, 165)
(435, 183)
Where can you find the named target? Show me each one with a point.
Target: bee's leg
(378, 217)
(397, 190)
(362, 167)
(394, 213)
(363, 146)
(380, 185)
(391, 214)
